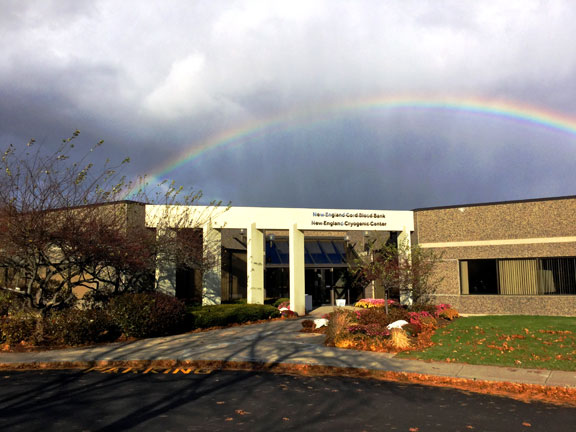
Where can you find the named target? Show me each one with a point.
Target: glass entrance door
(321, 281)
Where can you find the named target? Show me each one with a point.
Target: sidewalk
(277, 342)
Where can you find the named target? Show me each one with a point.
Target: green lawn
(516, 341)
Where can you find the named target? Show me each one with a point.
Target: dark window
(482, 277)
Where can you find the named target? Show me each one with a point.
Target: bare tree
(65, 227)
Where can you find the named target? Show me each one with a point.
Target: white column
(212, 276)
(404, 246)
(297, 278)
(165, 265)
(255, 264)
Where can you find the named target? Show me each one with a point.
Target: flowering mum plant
(441, 308)
(370, 303)
(416, 317)
(449, 314)
(285, 311)
(284, 305)
(369, 329)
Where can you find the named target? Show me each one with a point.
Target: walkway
(278, 342)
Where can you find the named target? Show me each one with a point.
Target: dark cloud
(156, 81)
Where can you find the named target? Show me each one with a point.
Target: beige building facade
(515, 257)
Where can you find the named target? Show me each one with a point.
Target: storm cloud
(159, 79)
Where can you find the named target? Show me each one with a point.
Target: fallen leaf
(526, 424)
(413, 429)
(228, 419)
(285, 418)
(241, 412)
(220, 403)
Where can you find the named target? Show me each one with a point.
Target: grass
(537, 342)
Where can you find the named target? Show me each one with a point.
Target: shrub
(283, 305)
(428, 321)
(148, 314)
(442, 307)
(419, 307)
(9, 302)
(369, 329)
(449, 314)
(377, 315)
(5, 303)
(19, 327)
(96, 299)
(278, 301)
(223, 315)
(79, 327)
(395, 314)
(288, 314)
(339, 324)
(308, 324)
(399, 339)
(235, 301)
(412, 329)
(421, 318)
(372, 316)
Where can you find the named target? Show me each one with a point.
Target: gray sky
(158, 79)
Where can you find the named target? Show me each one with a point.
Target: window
(325, 253)
(536, 276)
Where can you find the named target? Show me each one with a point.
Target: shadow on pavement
(271, 342)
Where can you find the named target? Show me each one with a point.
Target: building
(506, 257)
(497, 258)
(278, 251)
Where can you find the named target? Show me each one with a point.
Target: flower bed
(372, 329)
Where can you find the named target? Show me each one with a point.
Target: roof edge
(558, 198)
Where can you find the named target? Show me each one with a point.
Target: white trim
(540, 240)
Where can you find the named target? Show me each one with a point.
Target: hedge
(148, 314)
(79, 327)
(223, 315)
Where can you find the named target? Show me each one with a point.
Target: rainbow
(511, 111)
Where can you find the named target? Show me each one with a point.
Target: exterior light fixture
(271, 239)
